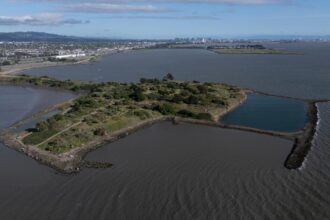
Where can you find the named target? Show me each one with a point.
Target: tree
(137, 94)
(202, 89)
(165, 109)
(6, 63)
(168, 76)
(192, 100)
(204, 116)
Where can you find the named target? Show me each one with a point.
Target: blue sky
(167, 18)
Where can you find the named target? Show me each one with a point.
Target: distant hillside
(39, 36)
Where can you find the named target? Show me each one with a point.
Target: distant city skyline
(167, 19)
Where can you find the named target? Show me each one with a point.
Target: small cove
(269, 113)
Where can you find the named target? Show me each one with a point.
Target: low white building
(70, 56)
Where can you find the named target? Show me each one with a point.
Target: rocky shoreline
(304, 141)
(73, 160)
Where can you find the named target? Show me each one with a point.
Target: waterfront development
(154, 170)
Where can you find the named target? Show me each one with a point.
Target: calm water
(185, 171)
(304, 76)
(269, 113)
(18, 102)
(17, 170)
(32, 123)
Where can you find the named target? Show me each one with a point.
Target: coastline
(234, 105)
(304, 141)
(16, 68)
(72, 161)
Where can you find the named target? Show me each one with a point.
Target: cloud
(113, 8)
(233, 2)
(45, 19)
(193, 17)
(241, 2)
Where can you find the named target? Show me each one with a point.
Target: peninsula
(249, 49)
(107, 111)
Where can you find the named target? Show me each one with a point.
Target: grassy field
(110, 107)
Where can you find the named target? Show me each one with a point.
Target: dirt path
(59, 133)
(68, 128)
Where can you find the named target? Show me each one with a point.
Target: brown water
(188, 171)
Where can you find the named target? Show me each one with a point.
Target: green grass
(118, 124)
(73, 138)
(38, 137)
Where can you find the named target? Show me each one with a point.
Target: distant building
(70, 56)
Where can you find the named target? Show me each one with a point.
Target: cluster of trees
(137, 94)
(168, 109)
(84, 102)
(166, 91)
(165, 109)
(167, 77)
(142, 114)
(5, 63)
(153, 81)
(188, 114)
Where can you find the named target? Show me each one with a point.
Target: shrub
(137, 94)
(153, 81)
(100, 132)
(220, 102)
(186, 113)
(42, 126)
(6, 63)
(202, 89)
(178, 98)
(58, 117)
(165, 109)
(192, 99)
(204, 116)
(168, 76)
(141, 114)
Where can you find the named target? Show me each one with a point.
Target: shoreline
(304, 142)
(17, 68)
(73, 160)
(234, 105)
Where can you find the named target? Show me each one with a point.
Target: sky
(163, 19)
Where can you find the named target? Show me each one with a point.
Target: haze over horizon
(166, 19)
